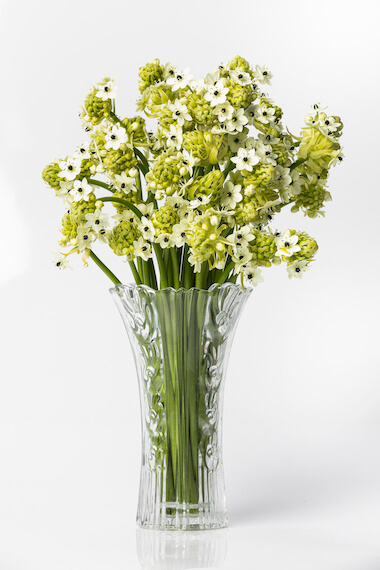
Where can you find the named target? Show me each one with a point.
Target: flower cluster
(194, 196)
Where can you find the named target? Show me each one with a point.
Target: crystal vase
(181, 341)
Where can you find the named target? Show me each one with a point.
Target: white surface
(302, 404)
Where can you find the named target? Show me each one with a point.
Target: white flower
(143, 249)
(253, 275)
(297, 269)
(188, 163)
(216, 94)
(84, 150)
(164, 240)
(125, 183)
(224, 111)
(241, 258)
(70, 168)
(195, 262)
(146, 227)
(241, 237)
(212, 78)
(237, 121)
(245, 159)
(200, 200)
(263, 74)
(146, 209)
(251, 112)
(287, 244)
(178, 203)
(180, 231)
(268, 139)
(283, 180)
(237, 140)
(169, 71)
(65, 191)
(106, 90)
(311, 121)
(266, 154)
(97, 221)
(265, 114)
(328, 126)
(180, 80)
(116, 137)
(297, 182)
(179, 112)
(174, 137)
(241, 77)
(60, 261)
(231, 195)
(81, 190)
(84, 238)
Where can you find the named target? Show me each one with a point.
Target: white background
(302, 402)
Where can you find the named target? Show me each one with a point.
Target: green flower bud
(132, 197)
(165, 173)
(75, 217)
(311, 199)
(308, 247)
(164, 219)
(96, 108)
(117, 161)
(241, 63)
(205, 146)
(121, 238)
(247, 211)
(210, 183)
(200, 110)
(135, 128)
(261, 176)
(50, 175)
(150, 74)
(317, 149)
(263, 248)
(240, 96)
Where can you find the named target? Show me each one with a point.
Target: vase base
(178, 516)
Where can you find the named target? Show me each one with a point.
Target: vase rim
(234, 286)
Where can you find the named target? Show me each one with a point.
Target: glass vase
(181, 341)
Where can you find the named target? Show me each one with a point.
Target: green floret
(50, 175)
(121, 238)
(75, 217)
(263, 248)
(150, 74)
(96, 108)
(118, 161)
(241, 63)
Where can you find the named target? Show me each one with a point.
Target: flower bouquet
(192, 192)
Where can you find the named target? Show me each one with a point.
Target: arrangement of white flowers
(193, 197)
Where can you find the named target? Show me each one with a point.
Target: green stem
(102, 184)
(161, 266)
(125, 203)
(145, 165)
(229, 166)
(136, 274)
(223, 276)
(175, 266)
(104, 268)
(115, 117)
(297, 163)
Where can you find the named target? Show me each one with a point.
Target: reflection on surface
(177, 550)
